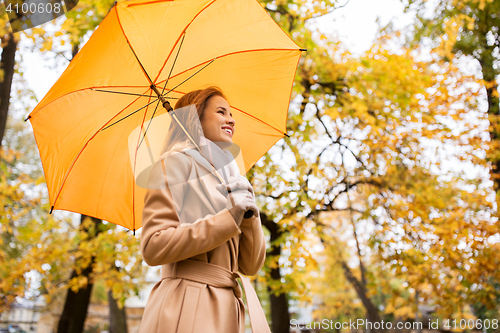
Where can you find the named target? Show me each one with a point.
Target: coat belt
(220, 277)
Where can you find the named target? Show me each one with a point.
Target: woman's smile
(228, 129)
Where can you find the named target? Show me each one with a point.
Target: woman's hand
(240, 197)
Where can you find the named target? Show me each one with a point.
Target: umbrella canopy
(82, 125)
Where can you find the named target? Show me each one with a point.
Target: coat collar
(194, 153)
(227, 170)
(189, 149)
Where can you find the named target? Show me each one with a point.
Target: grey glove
(240, 197)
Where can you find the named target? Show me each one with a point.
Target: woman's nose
(231, 121)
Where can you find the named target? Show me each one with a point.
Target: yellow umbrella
(144, 52)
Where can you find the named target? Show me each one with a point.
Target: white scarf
(222, 159)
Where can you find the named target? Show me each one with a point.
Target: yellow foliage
(373, 117)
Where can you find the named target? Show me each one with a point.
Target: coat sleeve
(163, 239)
(252, 246)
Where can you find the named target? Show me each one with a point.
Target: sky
(356, 25)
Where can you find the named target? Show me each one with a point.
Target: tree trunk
(487, 61)
(117, 316)
(280, 316)
(371, 310)
(74, 313)
(417, 313)
(8, 61)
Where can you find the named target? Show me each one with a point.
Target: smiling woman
(195, 227)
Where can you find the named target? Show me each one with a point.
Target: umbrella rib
(77, 91)
(183, 32)
(175, 60)
(192, 75)
(260, 120)
(147, 3)
(137, 149)
(126, 93)
(230, 54)
(164, 86)
(131, 48)
(142, 107)
(99, 201)
(152, 116)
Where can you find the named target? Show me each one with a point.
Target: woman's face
(217, 122)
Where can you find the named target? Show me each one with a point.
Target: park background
(380, 205)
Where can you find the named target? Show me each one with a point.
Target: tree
(8, 42)
(31, 240)
(466, 31)
(291, 16)
(361, 128)
(81, 246)
(82, 19)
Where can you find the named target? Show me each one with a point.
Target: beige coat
(208, 233)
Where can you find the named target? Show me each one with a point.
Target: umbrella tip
(51, 209)
(134, 232)
(112, 6)
(303, 49)
(27, 118)
(286, 134)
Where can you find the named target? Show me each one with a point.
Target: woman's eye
(220, 111)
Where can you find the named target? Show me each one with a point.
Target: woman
(197, 233)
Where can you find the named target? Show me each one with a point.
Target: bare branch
(329, 12)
